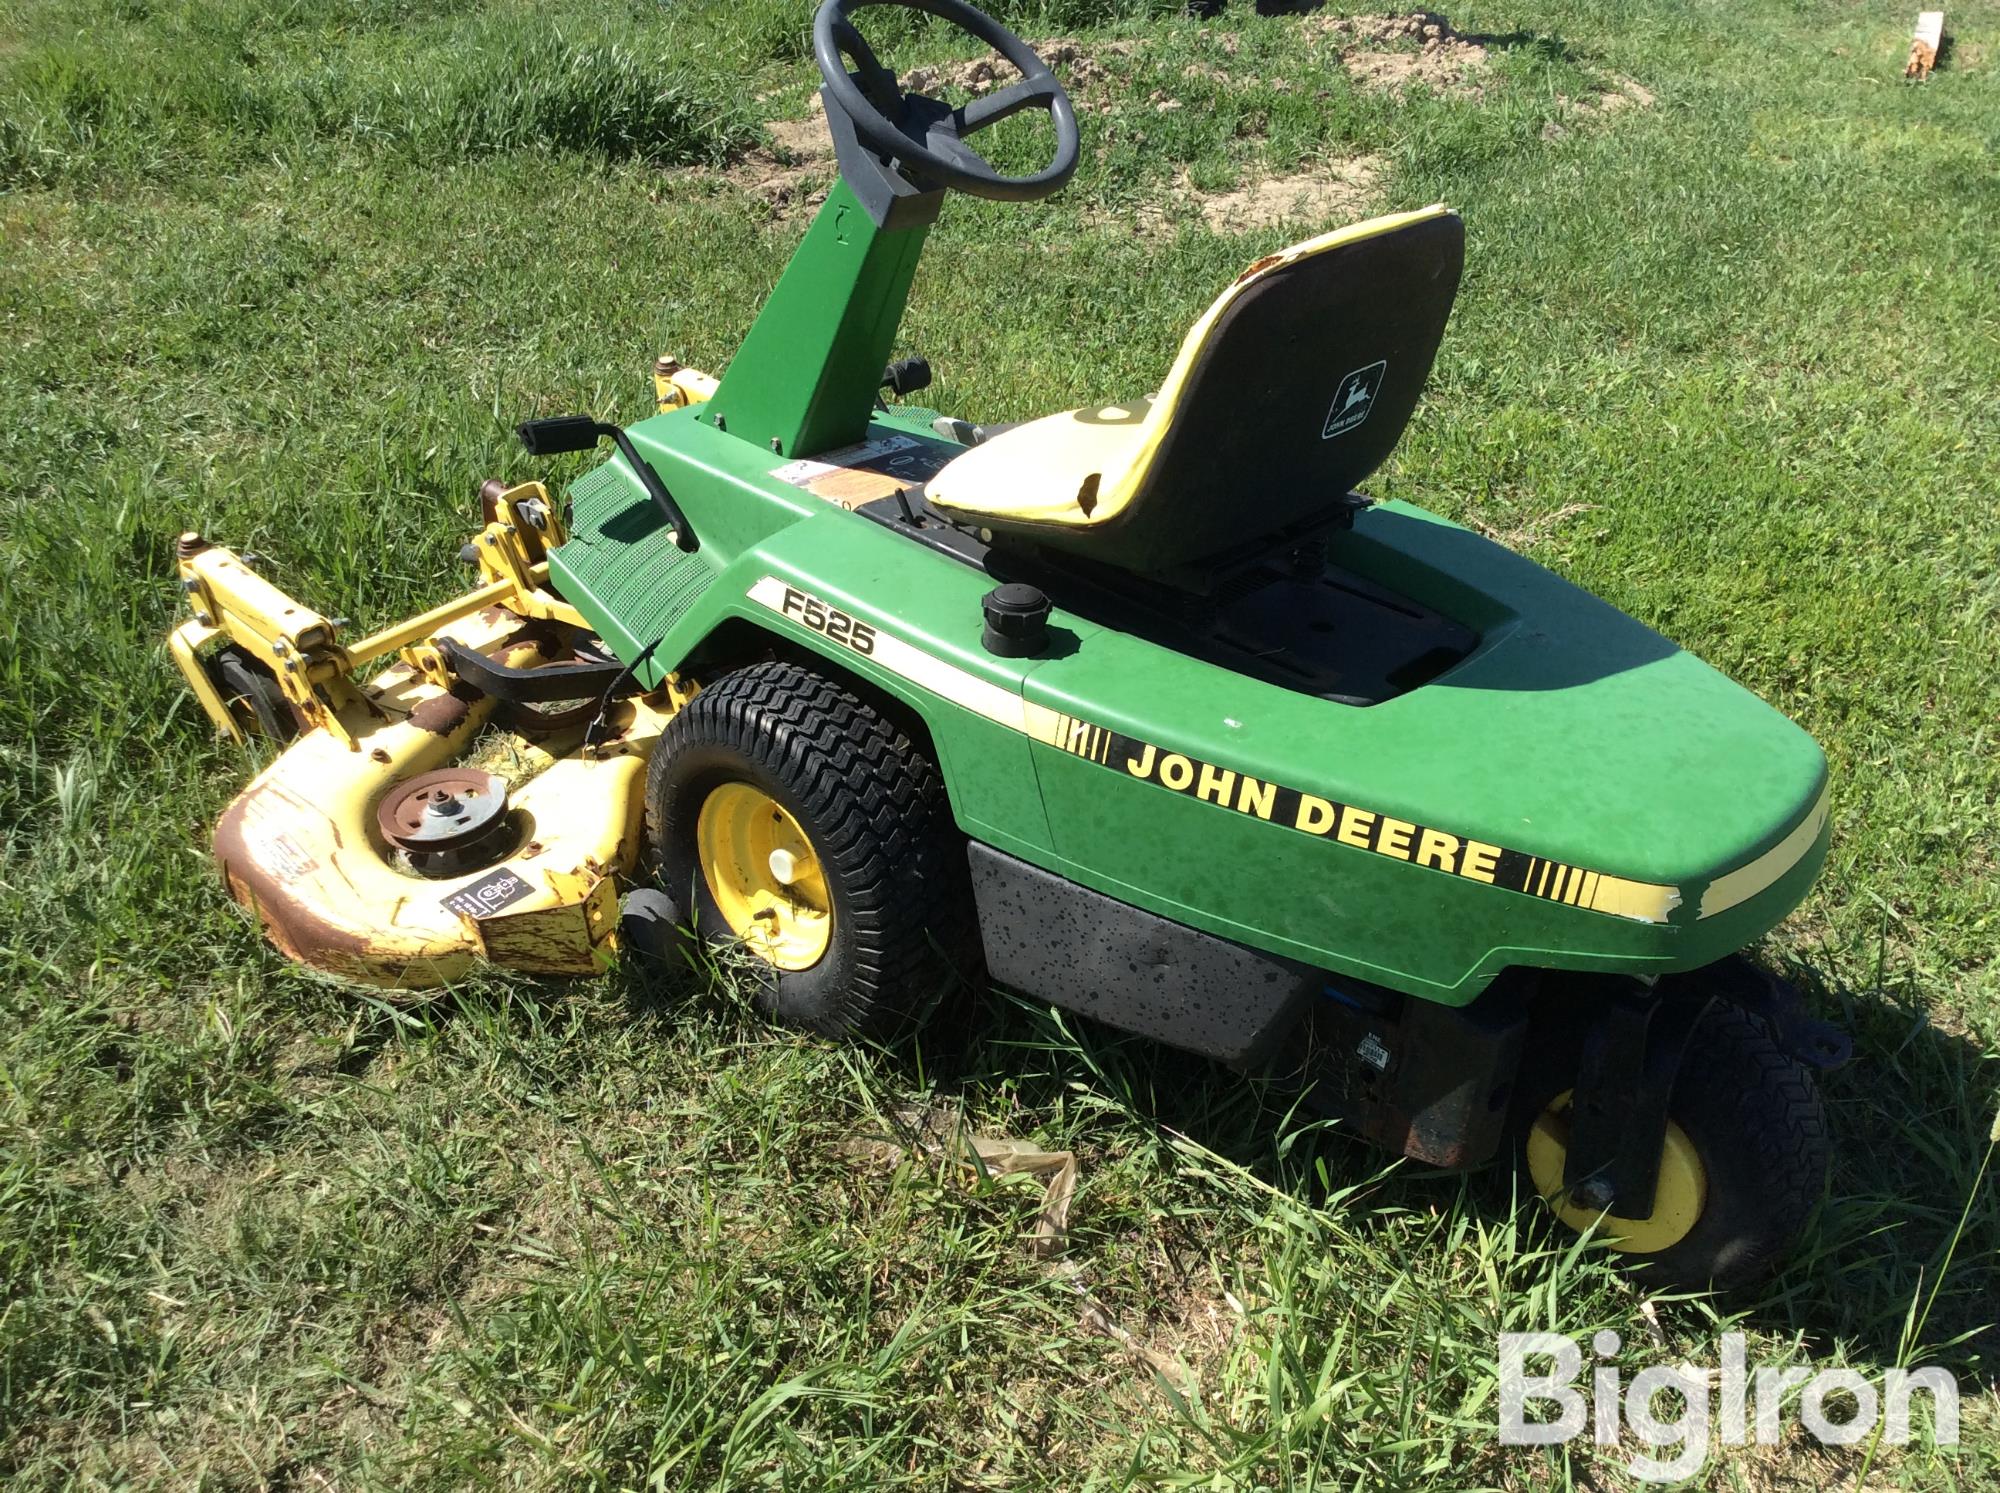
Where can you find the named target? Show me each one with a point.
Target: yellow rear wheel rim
(765, 876)
(1677, 1202)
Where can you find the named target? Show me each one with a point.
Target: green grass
(289, 274)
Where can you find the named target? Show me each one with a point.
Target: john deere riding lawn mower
(1140, 706)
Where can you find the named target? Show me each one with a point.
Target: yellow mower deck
(301, 846)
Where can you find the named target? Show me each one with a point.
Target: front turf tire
(888, 863)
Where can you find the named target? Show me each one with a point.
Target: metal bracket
(577, 936)
(537, 686)
(1618, 1110)
(892, 199)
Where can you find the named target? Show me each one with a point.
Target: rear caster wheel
(1742, 1164)
(803, 828)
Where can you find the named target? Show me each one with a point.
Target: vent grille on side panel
(619, 568)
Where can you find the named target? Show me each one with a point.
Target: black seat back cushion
(1301, 389)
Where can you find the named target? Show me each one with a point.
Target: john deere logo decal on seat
(1354, 399)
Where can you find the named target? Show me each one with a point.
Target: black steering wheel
(926, 136)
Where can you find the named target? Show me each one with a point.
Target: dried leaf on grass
(934, 1133)
(1001, 1157)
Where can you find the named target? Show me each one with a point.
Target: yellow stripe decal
(1746, 882)
(1362, 829)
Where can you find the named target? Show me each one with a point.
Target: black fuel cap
(1017, 621)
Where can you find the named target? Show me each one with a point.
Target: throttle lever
(556, 434)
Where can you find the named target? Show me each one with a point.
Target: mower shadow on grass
(1903, 1169)
(1913, 1117)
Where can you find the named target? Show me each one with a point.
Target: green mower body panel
(1568, 790)
(1320, 788)
(1572, 743)
(804, 379)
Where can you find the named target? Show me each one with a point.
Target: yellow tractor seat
(1294, 386)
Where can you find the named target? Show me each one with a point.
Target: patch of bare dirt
(1616, 93)
(1319, 199)
(1619, 93)
(795, 171)
(1081, 69)
(1393, 52)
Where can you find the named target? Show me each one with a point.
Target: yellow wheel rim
(1681, 1195)
(764, 875)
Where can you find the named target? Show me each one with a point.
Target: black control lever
(907, 375)
(557, 434)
